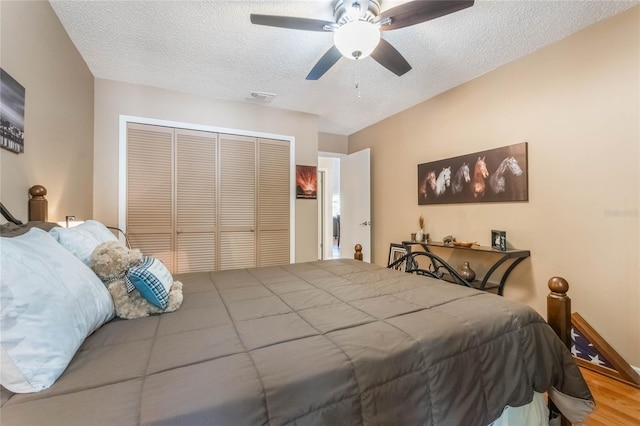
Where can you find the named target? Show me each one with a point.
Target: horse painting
(497, 179)
(429, 180)
(462, 173)
(444, 180)
(480, 173)
(493, 175)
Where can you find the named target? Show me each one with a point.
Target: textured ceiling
(210, 48)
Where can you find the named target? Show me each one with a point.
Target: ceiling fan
(357, 28)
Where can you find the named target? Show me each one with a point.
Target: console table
(482, 283)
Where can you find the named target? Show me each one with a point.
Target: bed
(319, 343)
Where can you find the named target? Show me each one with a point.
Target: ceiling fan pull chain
(358, 78)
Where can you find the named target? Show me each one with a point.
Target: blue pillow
(153, 280)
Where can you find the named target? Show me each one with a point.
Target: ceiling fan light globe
(356, 39)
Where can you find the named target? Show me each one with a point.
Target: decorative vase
(466, 272)
(419, 235)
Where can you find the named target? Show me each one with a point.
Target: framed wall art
(11, 113)
(499, 174)
(307, 182)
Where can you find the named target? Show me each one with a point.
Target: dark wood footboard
(559, 318)
(559, 309)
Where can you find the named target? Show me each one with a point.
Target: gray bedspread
(332, 343)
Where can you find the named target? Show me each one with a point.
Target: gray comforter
(333, 342)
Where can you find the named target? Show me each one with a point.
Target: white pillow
(50, 301)
(81, 240)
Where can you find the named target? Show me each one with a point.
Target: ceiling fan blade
(291, 22)
(418, 11)
(326, 62)
(387, 56)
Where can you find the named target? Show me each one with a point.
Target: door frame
(122, 164)
(328, 220)
(321, 193)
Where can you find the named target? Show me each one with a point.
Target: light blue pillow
(153, 280)
(50, 302)
(81, 240)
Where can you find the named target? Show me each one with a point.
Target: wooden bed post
(559, 318)
(358, 254)
(38, 204)
(559, 309)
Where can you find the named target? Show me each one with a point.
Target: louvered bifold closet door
(237, 209)
(195, 200)
(150, 190)
(273, 202)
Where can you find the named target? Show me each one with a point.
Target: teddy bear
(111, 261)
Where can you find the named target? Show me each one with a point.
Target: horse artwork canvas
(494, 175)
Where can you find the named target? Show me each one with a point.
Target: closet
(204, 201)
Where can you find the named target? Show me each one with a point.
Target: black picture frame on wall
(12, 96)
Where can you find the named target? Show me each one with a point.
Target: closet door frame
(122, 164)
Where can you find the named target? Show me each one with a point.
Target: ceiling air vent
(263, 96)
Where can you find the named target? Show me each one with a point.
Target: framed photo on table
(396, 251)
(499, 240)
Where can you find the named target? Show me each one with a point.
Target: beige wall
(113, 99)
(577, 105)
(329, 142)
(36, 51)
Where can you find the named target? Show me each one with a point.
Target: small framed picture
(307, 182)
(499, 240)
(396, 251)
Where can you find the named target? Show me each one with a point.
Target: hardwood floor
(617, 404)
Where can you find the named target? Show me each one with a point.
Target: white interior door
(355, 204)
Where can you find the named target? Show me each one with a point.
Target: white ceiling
(210, 48)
